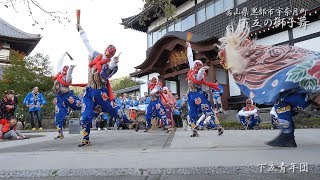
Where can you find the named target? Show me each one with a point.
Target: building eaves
(7, 30)
(129, 89)
(133, 21)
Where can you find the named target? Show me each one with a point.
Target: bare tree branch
(4, 2)
(42, 9)
(30, 6)
(13, 6)
(30, 13)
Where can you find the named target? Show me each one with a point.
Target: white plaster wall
(234, 89)
(311, 44)
(274, 39)
(143, 87)
(4, 53)
(222, 76)
(311, 28)
(172, 85)
(156, 23)
(5, 50)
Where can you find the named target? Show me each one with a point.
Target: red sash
(191, 74)
(152, 86)
(79, 85)
(59, 78)
(110, 92)
(98, 62)
(250, 108)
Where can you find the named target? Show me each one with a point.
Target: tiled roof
(7, 30)
(129, 89)
(133, 21)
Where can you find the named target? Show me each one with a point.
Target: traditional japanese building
(12, 38)
(273, 22)
(131, 91)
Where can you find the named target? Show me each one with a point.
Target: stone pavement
(125, 154)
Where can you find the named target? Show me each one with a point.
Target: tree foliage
(157, 9)
(122, 83)
(25, 73)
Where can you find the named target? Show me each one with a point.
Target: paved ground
(308, 176)
(126, 154)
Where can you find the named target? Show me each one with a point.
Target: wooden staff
(69, 56)
(189, 36)
(78, 17)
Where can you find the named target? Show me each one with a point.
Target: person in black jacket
(8, 105)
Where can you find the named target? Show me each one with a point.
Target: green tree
(122, 83)
(157, 9)
(25, 73)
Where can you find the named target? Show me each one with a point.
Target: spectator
(35, 101)
(135, 101)
(125, 101)
(145, 99)
(2, 123)
(102, 121)
(169, 103)
(249, 116)
(184, 112)
(117, 99)
(8, 105)
(185, 98)
(217, 97)
(10, 131)
(176, 113)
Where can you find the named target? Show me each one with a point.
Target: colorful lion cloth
(284, 76)
(264, 72)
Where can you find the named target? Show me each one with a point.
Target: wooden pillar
(162, 80)
(211, 76)
(178, 87)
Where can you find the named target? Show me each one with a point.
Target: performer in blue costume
(217, 97)
(249, 115)
(199, 105)
(98, 92)
(285, 76)
(64, 97)
(155, 106)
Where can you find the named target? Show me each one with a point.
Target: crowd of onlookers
(34, 101)
(132, 106)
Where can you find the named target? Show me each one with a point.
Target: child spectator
(2, 123)
(10, 131)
